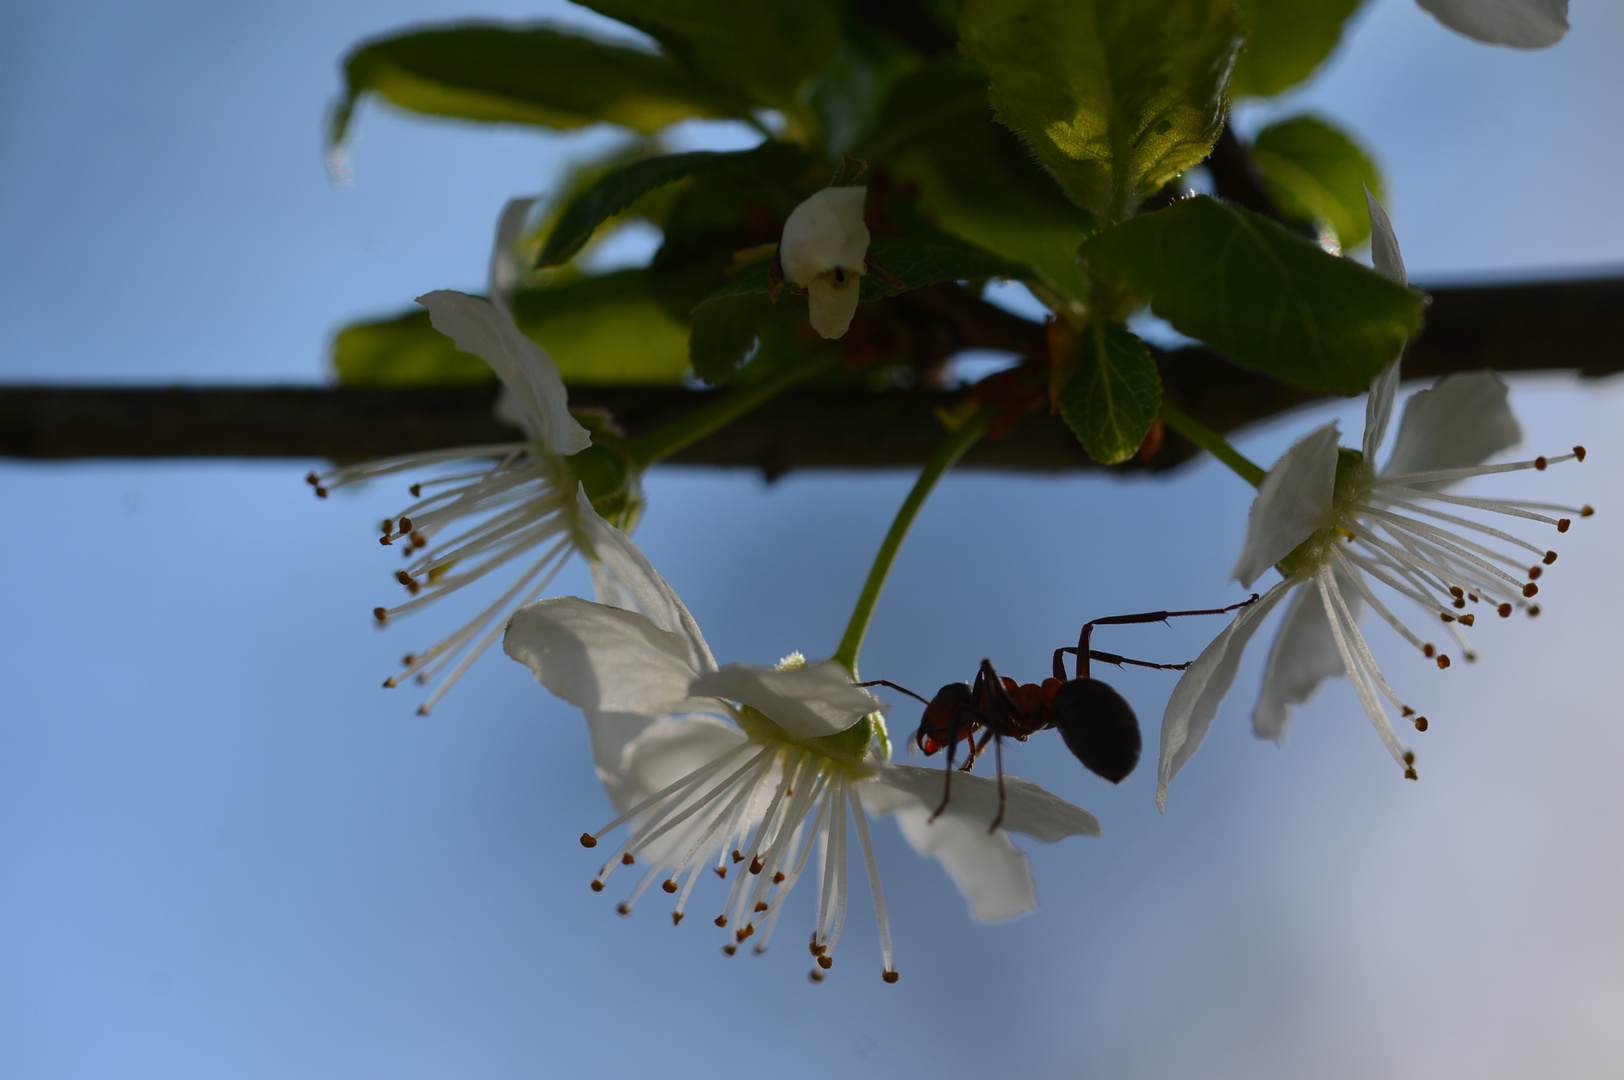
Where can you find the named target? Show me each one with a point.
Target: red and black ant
(1098, 725)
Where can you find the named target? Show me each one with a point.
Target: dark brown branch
(1556, 326)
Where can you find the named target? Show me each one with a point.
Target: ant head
(1099, 727)
(943, 721)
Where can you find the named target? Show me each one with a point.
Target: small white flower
(510, 506)
(1334, 526)
(823, 250)
(740, 770)
(1522, 24)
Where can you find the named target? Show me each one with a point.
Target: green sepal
(1114, 395)
(1265, 297)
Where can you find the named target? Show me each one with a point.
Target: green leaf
(1114, 395)
(1116, 96)
(623, 186)
(524, 75)
(1260, 294)
(1317, 173)
(975, 177)
(929, 257)
(600, 330)
(723, 334)
(764, 49)
(1285, 41)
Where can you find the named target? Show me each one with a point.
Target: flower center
(1352, 487)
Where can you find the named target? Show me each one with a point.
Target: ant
(1098, 725)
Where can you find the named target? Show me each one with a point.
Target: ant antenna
(895, 686)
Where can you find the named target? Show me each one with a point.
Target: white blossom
(740, 771)
(1522, 24)
(823, 250)
(1334, 527)
(508, 507)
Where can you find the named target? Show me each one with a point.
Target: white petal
(625, 578)
(988, 868)
(503, 274)
(831, 306)
(824, 232)
(1304, 655)
(1293, 502)
(1384, 252)
(1522, 24)
(1379, 410)
(807, 702)
(1195, 699)
(669, 750)
(1028, 808)
(479, 327)
(1462, 421)
(601, 658)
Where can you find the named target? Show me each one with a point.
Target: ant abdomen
(1099, 727)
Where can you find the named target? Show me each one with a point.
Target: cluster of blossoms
(742, 771)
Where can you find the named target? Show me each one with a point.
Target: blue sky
(224, 852)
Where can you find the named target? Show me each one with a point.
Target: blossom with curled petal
(504, 507)
(1334, 527)
(823, 250)
(1521, 24)
(741, 771)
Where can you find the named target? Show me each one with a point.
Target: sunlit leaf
(600, 330)
(1286, 40)
(524, 75)
(1316, 172)
(1262, 295)
(1116, 96)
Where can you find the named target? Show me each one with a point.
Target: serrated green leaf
(1116, 96)
(911, 262)
(1316, 172)
(1285, 41)
(524, 75)
(975, 177)
(1262, 295)
(600, 330)
(1114, 395)
(620, 187)
(723, 334)
(766, 51)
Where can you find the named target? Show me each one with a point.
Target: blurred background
(225, 852)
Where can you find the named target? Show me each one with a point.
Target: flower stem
(946, 456)
(1212, 442)
(659, 445)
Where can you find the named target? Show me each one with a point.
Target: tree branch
(1552, 326)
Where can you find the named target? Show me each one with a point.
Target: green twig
(659, 445)
(1212, 442)
(944, 459)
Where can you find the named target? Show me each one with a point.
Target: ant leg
(1113, 658)
(947, 783)
(894, 686)
(998, 755)
(975, 754)
(1083, 651)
